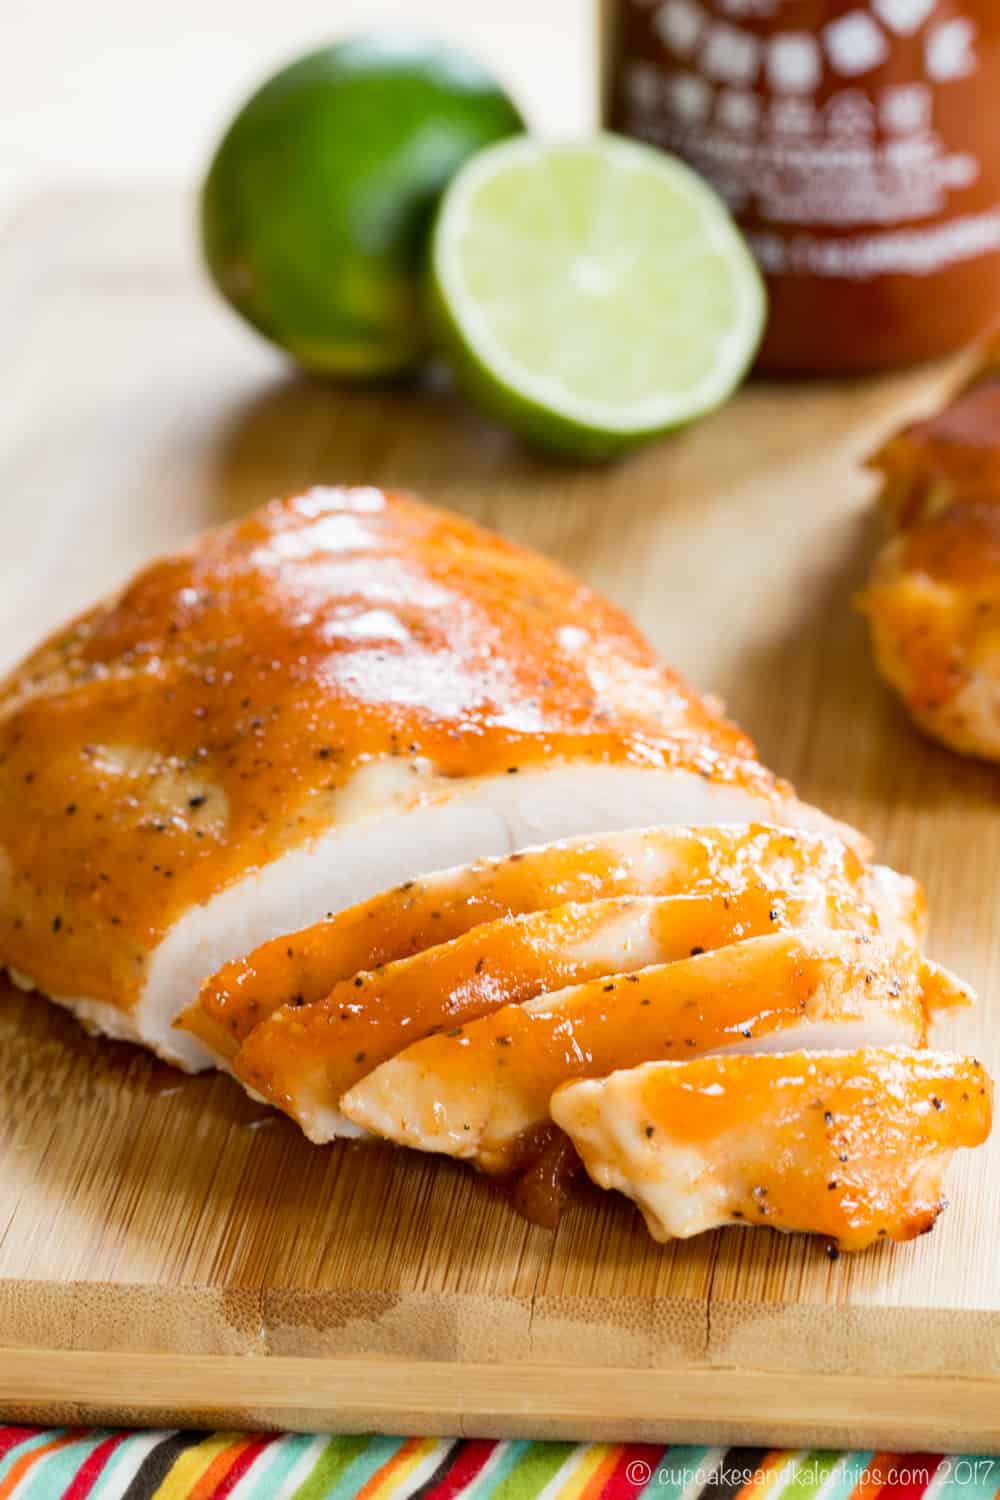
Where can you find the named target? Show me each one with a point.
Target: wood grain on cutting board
(145, 1215)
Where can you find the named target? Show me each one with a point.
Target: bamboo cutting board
(170, 1251)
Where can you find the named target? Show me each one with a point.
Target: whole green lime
(318, 205)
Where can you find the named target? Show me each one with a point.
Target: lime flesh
(317, 208)
(592, 294)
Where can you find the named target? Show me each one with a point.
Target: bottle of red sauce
(858, 144)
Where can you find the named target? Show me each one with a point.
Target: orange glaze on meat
(849, 1145)
(934, 602)
(933, 598)
(942, 485)
(952, 453)
(301, 1058)
(473, 1091)
(208, 719)
(959, 547)
(304, 967)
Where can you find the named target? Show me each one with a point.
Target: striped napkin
(61, 1464)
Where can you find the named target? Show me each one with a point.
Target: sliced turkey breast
(851, 1145)
(303, 1058)
(479, 1091)
(304, 967)
(339, 693)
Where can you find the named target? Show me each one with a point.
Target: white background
(135, 91)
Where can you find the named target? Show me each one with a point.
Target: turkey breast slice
(851, 1145)
(303, 1058)
(478, 1091)
(304, 967)
(335, 694)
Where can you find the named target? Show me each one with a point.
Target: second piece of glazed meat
(933, 598)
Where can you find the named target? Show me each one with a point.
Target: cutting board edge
(500, 1400)
(666, 1334)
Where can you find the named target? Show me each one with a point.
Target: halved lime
(592, 294)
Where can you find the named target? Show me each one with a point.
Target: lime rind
(592, 293)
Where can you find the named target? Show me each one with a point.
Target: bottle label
(827, 143)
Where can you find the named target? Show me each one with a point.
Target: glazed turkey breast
(851, 1145)
(302, 968)
(346, 690)
(480, 1091)
(933, 598)
(414, 835)
(303, 1057)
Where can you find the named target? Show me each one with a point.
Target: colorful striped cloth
(74, 1464)
(58, 1464)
